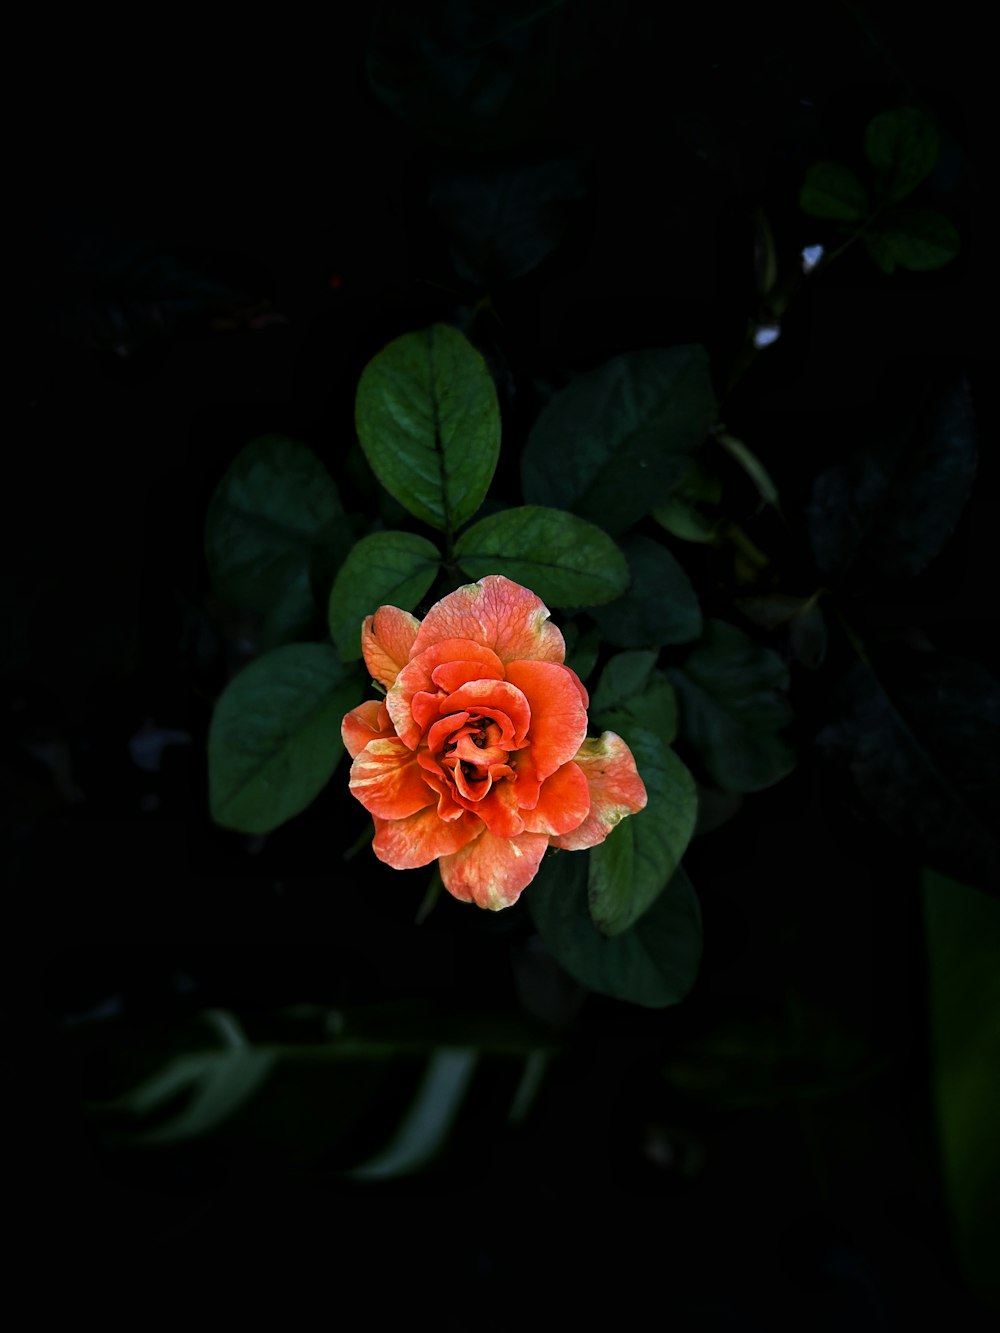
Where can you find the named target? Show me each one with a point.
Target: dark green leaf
(582, 650)
(753, 467)
(467, 73)
(690, 513)
(504, 221)
(654, 963)
(275, 736)
(902, 146)
(565, 560)
(273, 514)
(887, 510)
(920, 738)
(801, 617)
(660, 606)
(623, 680)
(614, 443)
(831, 190)
(631, 695)
(962, 930)
(428, 420)
(384, 568)
(634, 864)
(733, 709)
(916, 238)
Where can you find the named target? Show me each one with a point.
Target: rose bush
(478, 755)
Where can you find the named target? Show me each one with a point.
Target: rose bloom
(478, 756)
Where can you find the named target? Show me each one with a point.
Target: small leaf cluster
(902, 147)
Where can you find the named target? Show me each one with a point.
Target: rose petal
(422, 838)
(386, 640)
(448, 806)
(563, 802)
(558, 717)
(450, 675)
(388, 781)
(493, 871)
(616, 790)
(365, 723)
(417, 678)
(498, 810)
(499, 614)
(500, 700)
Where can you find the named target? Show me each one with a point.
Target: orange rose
(478, 756)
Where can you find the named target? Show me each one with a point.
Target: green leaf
(428, 420)
(275, 740)
(733, 709)
(885, 512)
(753, 467)
(614, 443)
(962, 930)
(384, 568)
(688, 513)
(623, 679)
(582, 650)
(661, 605)
(654, 963)
(503, 221)
(917, 238)
(274, 513)
(902, 145)
(473, 74)
(831, 190)
(565, 560)
(919, 737)
(634, 864)
(632, 696)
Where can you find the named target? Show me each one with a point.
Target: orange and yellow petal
(498, 810)
(499, 614)
(493, 871)
(563, 802)
(369, 721)
(616, 790)
(417, 677)
(386, 640)
(558, 717)
(421, 838)
(388, 781)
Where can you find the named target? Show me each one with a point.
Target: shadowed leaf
(275, 740)
(831, 190)
(660, 607)
(615, 443)
(920, 740)
(274, 514)
(653, 963)
(733, 709)
(887, 510)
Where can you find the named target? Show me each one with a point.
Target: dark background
(216, 235)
